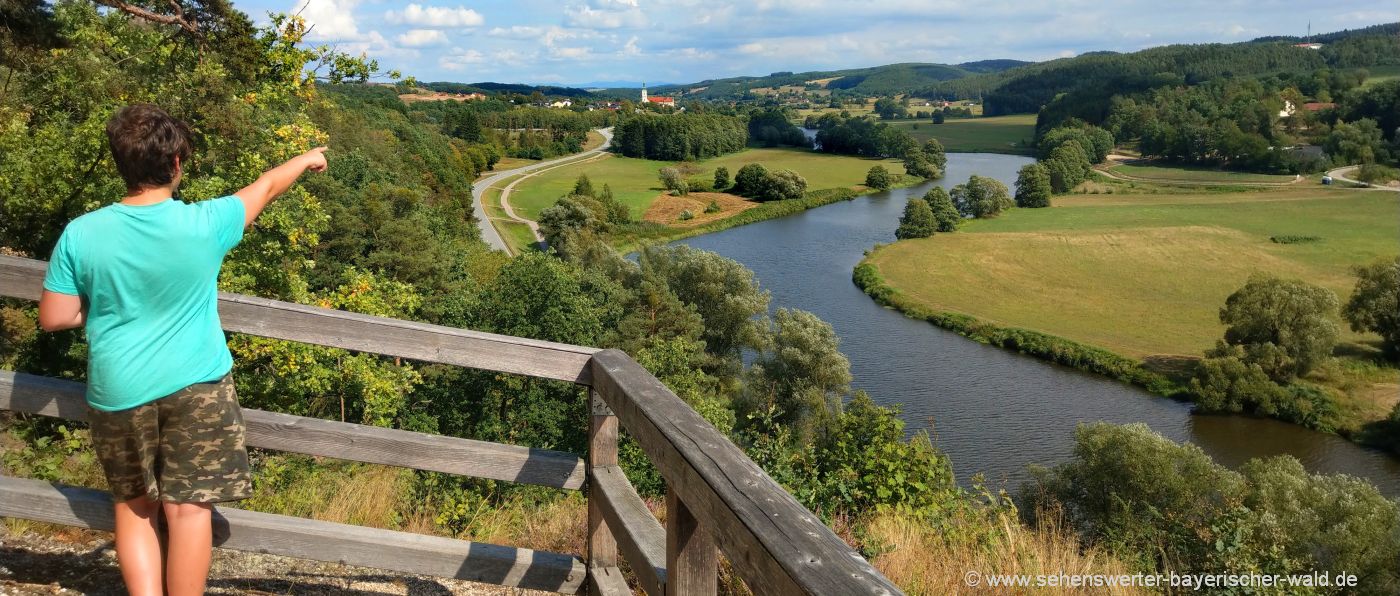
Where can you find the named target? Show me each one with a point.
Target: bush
(981, 197)
(917, 221)
(1284, 326)
(878, 178)
(1231, 382)
(1373, 173)
(700, 184)
(916, 163)
(713, 207)
(1375, 303)
(1135, 492)
(686, 215)
(750, 179)
(721, 178)
(672, 180)
(1294, 239)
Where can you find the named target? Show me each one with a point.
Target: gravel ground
(82, 562)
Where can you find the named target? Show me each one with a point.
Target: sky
(566, 42)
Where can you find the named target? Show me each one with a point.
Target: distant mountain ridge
(874, 80)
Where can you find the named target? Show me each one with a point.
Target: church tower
(644, 92)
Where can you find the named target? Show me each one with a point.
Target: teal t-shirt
(149, 278)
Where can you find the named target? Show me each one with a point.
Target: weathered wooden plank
(602, 451)
(773, 542)
(64, 399)
(23, 278)
(692, 562)
(322, 541)
(638, 533)
(607, 581)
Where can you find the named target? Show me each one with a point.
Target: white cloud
(460, 59)
(329, 19)
(751, 48)
(609, 15)
(435, 16)
(516, 32)
(422, 38)
(631, 49)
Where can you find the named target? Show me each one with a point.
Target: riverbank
(1128, 285)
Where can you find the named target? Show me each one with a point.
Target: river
(992, 411)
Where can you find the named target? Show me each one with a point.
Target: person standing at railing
(141, 276)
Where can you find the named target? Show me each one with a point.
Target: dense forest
(388, 231)
(680, 137)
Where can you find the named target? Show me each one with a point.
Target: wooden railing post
(602, 451)
(692, 561)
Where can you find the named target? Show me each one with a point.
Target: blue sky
(682, 41)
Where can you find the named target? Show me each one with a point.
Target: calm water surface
(992, 411)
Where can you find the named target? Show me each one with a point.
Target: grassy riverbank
(1104, 281)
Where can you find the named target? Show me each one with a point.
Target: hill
(497, 88)
(889, 79)
(1026, 88)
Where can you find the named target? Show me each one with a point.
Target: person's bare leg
(191, 540)
(138, 546)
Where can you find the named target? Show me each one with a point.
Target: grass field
(1381, 74)
(635, 183)
(515, 234)
(997, 134)
(1146, 274)
(1192, 174)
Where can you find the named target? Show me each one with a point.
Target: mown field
(1381, 74)
(1193, 174)
(635, 183)
(515, 234)
(997, 134)
(1142, 274)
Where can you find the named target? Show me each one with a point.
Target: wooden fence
(718, 500)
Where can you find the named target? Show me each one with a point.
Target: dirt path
(1336, 174)
(489, 233)
(1116, 160)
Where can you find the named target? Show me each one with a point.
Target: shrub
(1033, 186)
(1283, 325)
(1294, 239)
(1375, 303)
(917, 221)
(672, 180)
(713, 207)
(750, 178)
(878, 178)
(721, 178)
(981, 197)
(686, 215)
(699, 184)
(916, 163)
(1373, 173)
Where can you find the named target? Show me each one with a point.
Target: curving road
(1337, 176)
(488, 230)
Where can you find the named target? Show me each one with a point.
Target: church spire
(644, 92)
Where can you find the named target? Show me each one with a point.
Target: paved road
(488, 230)
(1337, 176)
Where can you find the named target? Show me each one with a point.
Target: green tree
(750, 179)
(1375, 302)
(916, 163)
(1033, 186)
(935, 153)
(723, 292)
(800, 373)
(981, 197)
(672, 180)
(917, 221)
(1067, 165)
(945, 213)
(721, 178)
(877, 178)
(583, 186)
(1285, 326)
(1359, 142)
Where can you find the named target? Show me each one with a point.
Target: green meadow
(635, 182)
(997, 134)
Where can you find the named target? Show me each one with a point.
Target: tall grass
(922, 559)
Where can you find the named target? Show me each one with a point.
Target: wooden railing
(718, 500)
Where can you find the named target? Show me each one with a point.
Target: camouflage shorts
(186, 447)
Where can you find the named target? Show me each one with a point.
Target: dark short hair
(145, 141)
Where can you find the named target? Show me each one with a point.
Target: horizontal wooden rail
(23, 278)
(774, 543)
(64, 399)
(322, 541)
(639, 535)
